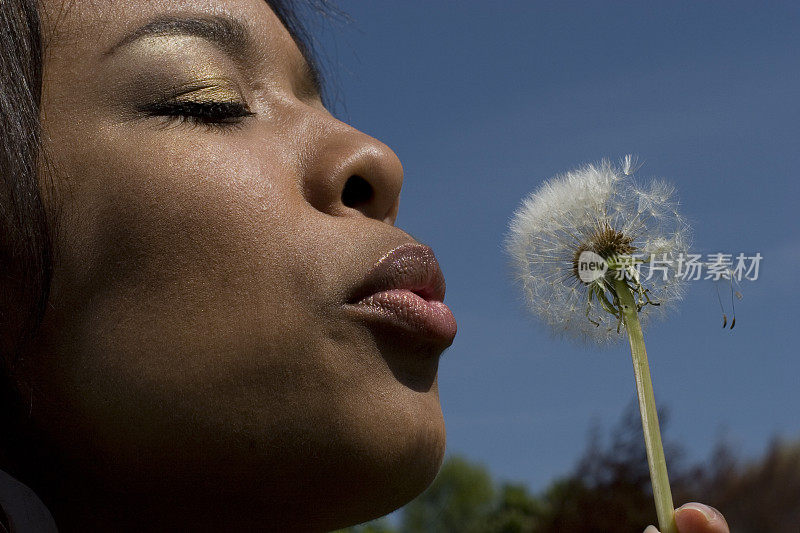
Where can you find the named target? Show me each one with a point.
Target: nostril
(357, 192)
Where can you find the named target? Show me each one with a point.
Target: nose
(353, 174)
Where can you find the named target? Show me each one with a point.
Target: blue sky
(484, 100)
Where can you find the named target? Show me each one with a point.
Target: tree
(609, 491)
(381, 525)
(515, 511)
(755, 496)
(458, 501)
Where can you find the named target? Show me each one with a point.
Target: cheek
(194, 324)
(177, 285)
(162, 211)
(165, 242)
(154, 222)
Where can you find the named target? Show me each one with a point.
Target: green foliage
(514, 511)
(458, 500)
(381, 525)
(755, 496)
(609, 492)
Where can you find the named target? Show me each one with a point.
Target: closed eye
(209, 112)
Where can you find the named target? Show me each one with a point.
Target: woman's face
(201, 356)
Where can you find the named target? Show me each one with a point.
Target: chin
(384, 457)
(405, 458)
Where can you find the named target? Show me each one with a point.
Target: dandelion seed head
(596, 208)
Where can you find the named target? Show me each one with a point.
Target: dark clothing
(21, 510)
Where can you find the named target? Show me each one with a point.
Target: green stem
(647, 407)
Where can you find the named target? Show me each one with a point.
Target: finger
(651, 529)
(698, 518)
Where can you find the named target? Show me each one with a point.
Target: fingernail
(709, 512)
(651, 529)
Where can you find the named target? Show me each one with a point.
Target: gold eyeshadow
(157, 70)
(217, 94)
(216, 89)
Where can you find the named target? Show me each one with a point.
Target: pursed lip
(405, 289)
(409, 266)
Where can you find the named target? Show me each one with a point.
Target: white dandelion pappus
(596, 208)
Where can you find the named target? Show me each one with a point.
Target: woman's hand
(697, 518)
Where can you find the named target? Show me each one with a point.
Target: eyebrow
(228, 34)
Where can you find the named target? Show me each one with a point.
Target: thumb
(698, 518)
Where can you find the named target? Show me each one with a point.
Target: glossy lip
(405, 290)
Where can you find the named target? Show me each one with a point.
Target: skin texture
(697, 518)
(196, 366)
(700, 518)
(196, 369)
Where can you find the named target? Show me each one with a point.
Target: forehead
(89, 28)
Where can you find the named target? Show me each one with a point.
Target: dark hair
(296, 17)
(25, 245)
(28, 210)
(26, 262)
(26, 252)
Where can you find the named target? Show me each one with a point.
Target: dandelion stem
(647, 407)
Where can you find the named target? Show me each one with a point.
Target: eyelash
(212, 114)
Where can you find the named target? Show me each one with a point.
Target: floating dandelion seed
(597, 209)
(594, 251)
